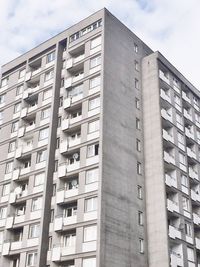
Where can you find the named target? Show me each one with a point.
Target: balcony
(170, 180)
(166, 115)
(169, 158)
(64, 221)
(174, 232)
(66, 123)
(29, 91)
(23, 149)
(195, 195)
(185, 97)
(189, 133)
(69, 143)
(64, 169)
(71, 61)
(165, 96)
(197, 242)
(196, 218)
(176, 259)
(71, 100)
(63, 193)
(164, 76)
(191, 153)
(172, 205)
(168, 136)
(187, 115)
(193, 173)
(59, 251)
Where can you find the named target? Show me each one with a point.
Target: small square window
(138, 145)
(139, 191)
(138, 126)
(139, 168)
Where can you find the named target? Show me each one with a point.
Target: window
(47, 94)
(39, 179)
(49, 75)
(1, 118)
(89, 262)
(22, 73)
(69, 240)
(9, 167)
(190, 254)
(92, 150)
(138, 145)
(182, 158)
(90, 233)
(52, 216)
(69, 212)
(136, 65)
(2, 99)
(60, 101)
(186, 203)
(137, 103)
(19, 90)
(177, 100)
(136, 83)
(139, 191)
(94, 103)
(181, 138)
(45, 113)
(95, 42)
(12, 146)
(56, 166)
(135, 48)
(41, 156)
(91, 204)
(77, 90)
(3, 213)
(57, 143)
(184, 180)
(4, 82)
(6, 189)
(188, 229)
(16, 263)
(1, 237)
(50, 243)
(95, 61)
(34, 230)
(94, 82)
(51, 56)
(140, 217)
(32, 259)
(138, 127)
(179, 119)
(36, 204)
(43, 134)
(17, 107)
(59, 121)
(139, 168)
(93, 126)
(92, 176)
(141, 245)
(14, 126)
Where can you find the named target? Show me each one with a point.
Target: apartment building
(99, 141)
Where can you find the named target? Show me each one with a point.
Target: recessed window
(59, 121)
(135, 48)
(92, 176)
(140, 217)
(139, 191)
(95, 61)
(91, 204)
(1, 237)
(12, 146)
(60, 101)
(90, 233)
(57, 143)
(1, 118)
(49, 75)
(94, 103)
(188, 229)
(6, 189)
(14, 126)
(56, 166)
(17, 107)
(136, 65)
(3, 212)
(141, 245)
(190, 254)
(93, 150)
(184, 180)
(39, 179)
(41, 156)
(19, 90)
(95, 42)
(186, 203)
(34, 230)
(182, 158)
(36, 204)
(93, 126)
(47, 94)
(139, 168)
(95, 81)
(138, 126)
(136, 83)
(32, 259)
(9, 167)
(2, 99)
(75, 91)
(138, 145)
(51, 57)
(43, 134)
(22, 73)
(137, 103)
(4, 82)
(45, 113)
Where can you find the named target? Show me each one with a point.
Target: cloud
(168, 26)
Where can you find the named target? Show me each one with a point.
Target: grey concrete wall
(157, 232)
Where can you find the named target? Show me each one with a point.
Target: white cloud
(168, 26)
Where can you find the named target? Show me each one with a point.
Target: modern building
(99, 162)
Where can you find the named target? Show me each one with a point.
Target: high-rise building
(99, 154)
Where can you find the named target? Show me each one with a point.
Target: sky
(172, 27)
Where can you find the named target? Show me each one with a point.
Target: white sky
(172, 27)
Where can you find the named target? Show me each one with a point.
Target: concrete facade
(90, 172)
